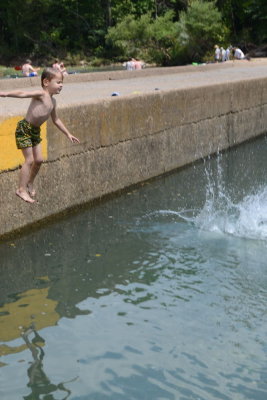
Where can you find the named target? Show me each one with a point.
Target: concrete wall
(126, 140)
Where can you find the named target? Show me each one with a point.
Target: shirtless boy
(28, 70)
(28, 130)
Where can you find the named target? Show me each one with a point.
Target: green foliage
(129, 35)
(127, 7)
(154, 40)
(247, 19)
(5, 72)
(201, 27)
(162, 31)
(38, 28)
(165, 46)
(167, 42)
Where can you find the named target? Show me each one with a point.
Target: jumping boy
(28, 130)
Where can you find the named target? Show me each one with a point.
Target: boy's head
(49, 74)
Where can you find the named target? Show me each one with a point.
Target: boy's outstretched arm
(59, 124)
(22, 93)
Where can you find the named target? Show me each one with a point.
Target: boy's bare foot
(31, 190)
(24, 196)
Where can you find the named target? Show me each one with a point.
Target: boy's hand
(73, 139)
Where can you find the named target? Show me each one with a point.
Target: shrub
(153, 40)
(164, 41)
(201, 27)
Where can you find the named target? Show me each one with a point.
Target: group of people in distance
(222, 54)
(29, 71)
(133, 64)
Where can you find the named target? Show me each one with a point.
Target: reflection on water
(140, 297)
(39, 383)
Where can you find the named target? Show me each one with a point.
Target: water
(158, 294)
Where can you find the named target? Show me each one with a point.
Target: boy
(28, 130)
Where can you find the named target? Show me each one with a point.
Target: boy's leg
(24, 175)
(37, 162)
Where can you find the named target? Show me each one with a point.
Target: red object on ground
(17, 68)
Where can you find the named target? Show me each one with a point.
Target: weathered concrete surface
(137, 136)
(23, 82)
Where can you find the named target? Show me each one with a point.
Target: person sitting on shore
(129, 65)
(28, 130)
(60, 67)
(63, 69)
(138, 64)
(56, 64)
(28, 70)
(238, 54)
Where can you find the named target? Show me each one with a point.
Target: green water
(160, 293)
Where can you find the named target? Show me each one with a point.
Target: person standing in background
(217, 54)
(223, 52)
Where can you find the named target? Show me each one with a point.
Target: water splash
(224, 210)
(246, 218)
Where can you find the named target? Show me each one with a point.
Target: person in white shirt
(238, 54)
(227, 54)
(130, 65)
(223, 52)
(217, 54)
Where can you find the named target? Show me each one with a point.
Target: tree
(201, 26)
(247, 19)
(43, 29)
(164, 41)
(153, 39)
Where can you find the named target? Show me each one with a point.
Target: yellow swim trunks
(27, 135)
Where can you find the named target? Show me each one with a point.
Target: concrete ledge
(131, 139)
(21, 82)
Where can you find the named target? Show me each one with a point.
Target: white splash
(247, 219)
